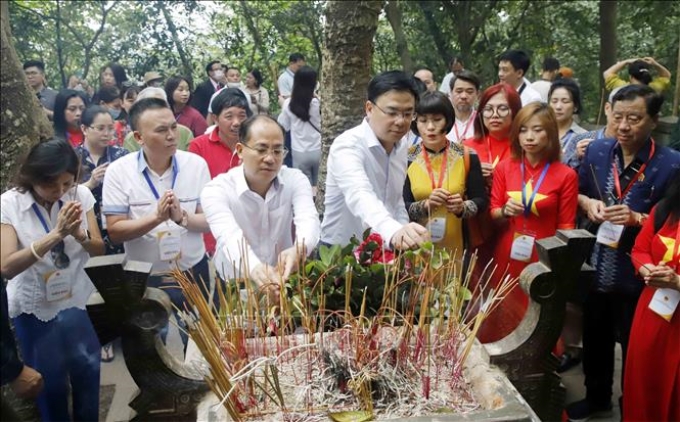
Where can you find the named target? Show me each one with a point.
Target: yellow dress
(424, 178)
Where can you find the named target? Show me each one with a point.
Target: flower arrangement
(401, 327)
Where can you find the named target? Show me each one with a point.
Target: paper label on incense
(58, 285)
(437, 228)
(609, 234)
(664, 303)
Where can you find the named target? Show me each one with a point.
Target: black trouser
(607, 319)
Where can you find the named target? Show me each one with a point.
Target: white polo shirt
(250, 229)
(529, 94)
(27, 292)
(127, 192)
(364, 187)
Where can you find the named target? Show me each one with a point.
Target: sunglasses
(59, 257)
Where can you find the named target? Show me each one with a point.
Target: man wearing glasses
(367, 169)
(151, 201)
(252, 208)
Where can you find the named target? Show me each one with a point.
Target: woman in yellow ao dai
(444, 182)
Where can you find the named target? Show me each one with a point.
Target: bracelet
(35, 254)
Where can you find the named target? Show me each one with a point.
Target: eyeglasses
(104, 129)
(409, 116)
(277, 153)
(501, 110)
(59, 257)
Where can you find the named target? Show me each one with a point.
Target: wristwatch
(184, 221)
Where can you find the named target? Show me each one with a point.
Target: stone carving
(526, 354)
(124, 307)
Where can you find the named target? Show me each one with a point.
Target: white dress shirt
(126, 192)
(304, 136)
(529, 95)
(364, 187)
(27, 291)
(250, 229)
(462, 130)
(445, 86)
(285, 82)
(543, 88)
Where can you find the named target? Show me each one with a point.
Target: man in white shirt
(464, 93)
(367, 169)
(550, 70)
(285, 81)
(426, 75)
(151, 203)
(252, 208)
(512, 68)
(455, 66)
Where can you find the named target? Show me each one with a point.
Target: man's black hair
(551, 64)
(35, 63)
(391, 80)
(209, 66)
(518, 59)
(295, 57)
(139, 107)
(230, 97)
(653, 100)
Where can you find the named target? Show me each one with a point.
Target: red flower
(373, 245)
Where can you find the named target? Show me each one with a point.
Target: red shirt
(490, 149)
(220, 159)
(191, 118)
(74, 137)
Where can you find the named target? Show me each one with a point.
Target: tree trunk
(60, 49)
(607, 36)
(22, 121)
(676, 97)
(348, 53)
(394, 15)
(440, 40)
(187, 68)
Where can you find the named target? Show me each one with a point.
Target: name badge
(609, 234)
(169, 244)
(437, 228)
(522, 247)
(58, 285)
(664, 303)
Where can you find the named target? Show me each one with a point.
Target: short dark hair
(454, 60)
(258, 76)
(108, 94)
(145, 104)
(209, 66)
(171, 85)
(551, 64)
(435, 103)
(60, 104)
(35, 63)
(653, 100)
(230, 97)
(45, 162)
(91, 113)
(244, 130)
(129, 91)
(420, 86)
(466, 76)
(639, 70)
(229, 67)
(572, 87)
(391, 80)
(295, 57)
(519, 59)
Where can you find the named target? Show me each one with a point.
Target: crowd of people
(179, 176)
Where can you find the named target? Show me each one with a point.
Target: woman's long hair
(171, 85)
(303, 92)
(60, 103)
(670, 204)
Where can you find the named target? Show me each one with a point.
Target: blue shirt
(614, 271)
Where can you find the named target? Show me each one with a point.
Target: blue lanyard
(150, 183)
(41, 217)
(527, 206)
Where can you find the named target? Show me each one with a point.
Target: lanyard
(40, 216)
(521, 88)
(150, 183)
(442, 170)
(567, 138)
(617, 182)
(467, 126)
(527, 205)
(498, 157)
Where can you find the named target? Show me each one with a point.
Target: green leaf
(351, 416)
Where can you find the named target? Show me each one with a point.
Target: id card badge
(437, 228)
(664, 303)
(58, 285)
(609, 234)
(522, 247)
(169, 244)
